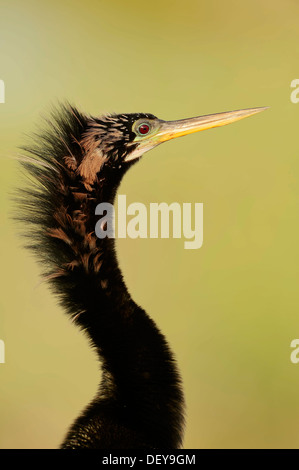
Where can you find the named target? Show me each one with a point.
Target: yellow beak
(172, 129)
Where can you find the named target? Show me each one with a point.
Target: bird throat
(139, 403)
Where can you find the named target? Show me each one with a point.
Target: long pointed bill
(167, 130)
(172, 129)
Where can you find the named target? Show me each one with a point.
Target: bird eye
(143, 128)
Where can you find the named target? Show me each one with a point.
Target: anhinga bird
(76, 163)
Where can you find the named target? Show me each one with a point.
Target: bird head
(118, 140)
(125, 137)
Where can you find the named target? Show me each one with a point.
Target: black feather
(140, 402)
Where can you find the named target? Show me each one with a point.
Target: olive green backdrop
(229, 309)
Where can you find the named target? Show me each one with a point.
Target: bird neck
(139, 371)
(139, 403)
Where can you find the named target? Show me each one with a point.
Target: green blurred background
(229, 309)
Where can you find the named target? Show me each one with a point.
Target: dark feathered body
(76, 164)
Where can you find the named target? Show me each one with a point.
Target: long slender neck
(140, 378)
(139, 403)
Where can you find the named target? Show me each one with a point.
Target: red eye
(143, 129)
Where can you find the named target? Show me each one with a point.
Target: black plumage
(140, 402)
(76, 163)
